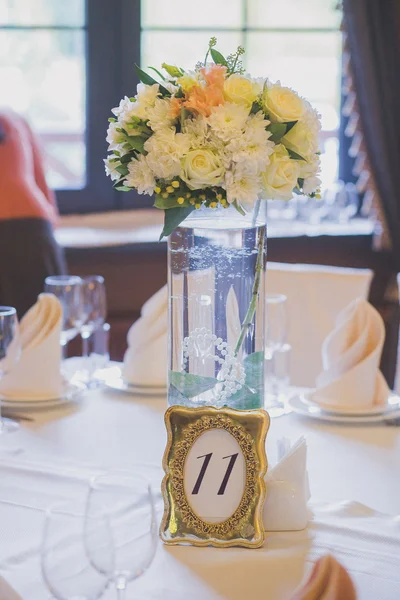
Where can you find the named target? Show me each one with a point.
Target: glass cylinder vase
(216, 278)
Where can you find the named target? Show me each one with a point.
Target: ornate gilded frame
(180, 524)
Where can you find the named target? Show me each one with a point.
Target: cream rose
(201, 168)
(241, 90)
(282, 104)
(280, 176)
(301, 139)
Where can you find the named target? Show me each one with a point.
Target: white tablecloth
(355, 487)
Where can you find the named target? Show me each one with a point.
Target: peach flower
(175, 107)
(214, 75)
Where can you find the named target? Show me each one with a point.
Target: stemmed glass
(275, 338)
(68, 289)
(66, 566)
(94, 311)
(10, 352)
(128, 505)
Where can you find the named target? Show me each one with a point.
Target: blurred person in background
(28, 213)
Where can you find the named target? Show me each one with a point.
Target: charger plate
(303, 407)
(112, 379)
(70, 393)
(393, 403)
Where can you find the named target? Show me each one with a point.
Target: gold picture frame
(180, 523)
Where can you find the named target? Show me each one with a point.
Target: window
(295, 41)
(42, 69)
(65, 63)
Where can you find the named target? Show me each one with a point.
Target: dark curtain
(373, 29)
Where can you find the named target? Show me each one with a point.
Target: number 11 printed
(206, 462)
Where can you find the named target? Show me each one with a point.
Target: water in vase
(216, 312)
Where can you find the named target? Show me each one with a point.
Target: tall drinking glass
(94, 308)
(275, 339)
(128, 504)
(66, 566)
(10, 352)
(68, 289)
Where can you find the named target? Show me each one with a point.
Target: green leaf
(251, 394)
(127, 158)
(239, 208)
(255, 108)
(122, 170)
(165, 203)
(137, 142)
(289, 125)
(173, 217)
(294, 155)
(112, 120)
(158, 72)
(120, 187)
(218, 58)
(191, 385)
(254, 369)
(277, 130)
(149, 80)
(180, 93)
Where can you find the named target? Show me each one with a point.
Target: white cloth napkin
(351, 354)
(145, 361)
(6, 592)
(37, 375)
(288, 492)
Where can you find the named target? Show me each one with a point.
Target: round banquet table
(355, 497)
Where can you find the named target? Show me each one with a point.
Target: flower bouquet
(212, 137)
(210, 144)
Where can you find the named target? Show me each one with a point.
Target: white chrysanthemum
(197, 130)
(251, 150)
(145, 99)
(140, 176)
(114, 138)
(159, 115)
(125, 104)
(309, 171)
(228, 120)
(242, 187)
(111, 167)
(165, 150)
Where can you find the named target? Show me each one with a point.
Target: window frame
(112, 47)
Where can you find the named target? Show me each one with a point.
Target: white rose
(202, 168)
(303, 137)
(282, 104)
(280, 176)
(241, 90)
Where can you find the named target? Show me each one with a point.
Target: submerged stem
(256, 287)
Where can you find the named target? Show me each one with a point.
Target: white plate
(393, 403)
(71, 392)
(302, 407)
(111, 377)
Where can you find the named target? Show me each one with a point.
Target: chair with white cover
(315, 296)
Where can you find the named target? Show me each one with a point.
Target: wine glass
(128, 505)
(94, 308)
(275, 338)
(10, 352)
(68, 289)
(66, 566)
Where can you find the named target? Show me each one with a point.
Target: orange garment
(23, 188)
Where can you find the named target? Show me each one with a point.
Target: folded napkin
(288, 492)
(328, 581)
(145, 361)
(6, 592)
(37, 375)
(351, 354)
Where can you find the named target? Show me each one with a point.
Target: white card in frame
(214, 488)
